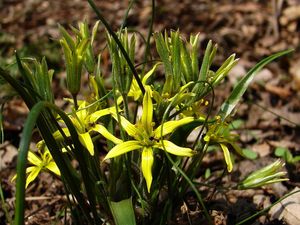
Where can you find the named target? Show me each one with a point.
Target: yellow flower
(220, 133)
(147, 139)
(45, 162)
(84, 122)
(135, 90)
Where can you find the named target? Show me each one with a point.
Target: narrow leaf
(243, 84)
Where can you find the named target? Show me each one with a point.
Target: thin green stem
(115, 37)
(266, 209)
(183, 174)
(147, 51)
(274, 113)
(4, 206)
(198, 195)
(126, 14)
(75, 101)
(126, 108)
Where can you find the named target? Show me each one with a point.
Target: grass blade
(243, 84)
(33, 118)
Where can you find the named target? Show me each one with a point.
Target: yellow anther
(218, 117)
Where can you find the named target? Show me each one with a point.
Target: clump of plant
(134, 164)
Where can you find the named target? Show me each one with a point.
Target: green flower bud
(267, 175)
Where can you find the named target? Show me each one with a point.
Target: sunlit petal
(87, 142)
(174, 149)
(147, 75)
(147, 163)
(82, 112)
(170, 126)
(33, 159)
(53, 168)
(128, 127)
(105, 133)
(135, 91)
(147, 111)
(227, 157)
(33, 173)
(58, 136)
(123, 148)
(103, 112)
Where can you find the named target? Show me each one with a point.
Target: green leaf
(205, 62)
(243, 84)
(176, 60)
(163, 52)
(248, 153)
(70, 42)
(285, 154)
(123, 212)
(280, 152)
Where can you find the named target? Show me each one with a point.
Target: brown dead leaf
(262, 149)
(288, 118)
(295, 71)
(280, 91)
(288, 209)
(289, 14)
(283, 144)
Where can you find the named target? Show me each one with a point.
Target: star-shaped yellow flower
(84, 122)
(45, 162)
(147, 139)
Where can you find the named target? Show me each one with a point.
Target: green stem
(74, 96)
(115, 37)
(149, 36)
(126, 14)
(4, 206)
(266, 209)
(198, 195)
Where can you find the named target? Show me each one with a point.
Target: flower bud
(267, 175)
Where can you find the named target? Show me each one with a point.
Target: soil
(270, 109)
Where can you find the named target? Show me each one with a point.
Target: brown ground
(252, 29)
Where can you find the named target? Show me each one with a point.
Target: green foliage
(286, 155)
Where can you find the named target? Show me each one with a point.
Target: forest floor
(269, 114)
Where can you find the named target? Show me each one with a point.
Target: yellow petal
(128, 127)
(147, 111)
(33, 159)
(147, 75)
(120, 100)
(57, 135)
(82, 112)
(105, 133)
(123, 148)
(147, 163)
(103, 112)
(53, 168)
(135, 91)
(33, 173)
(87, 142)
(227, 157)
(170, 126)
(174, 149)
